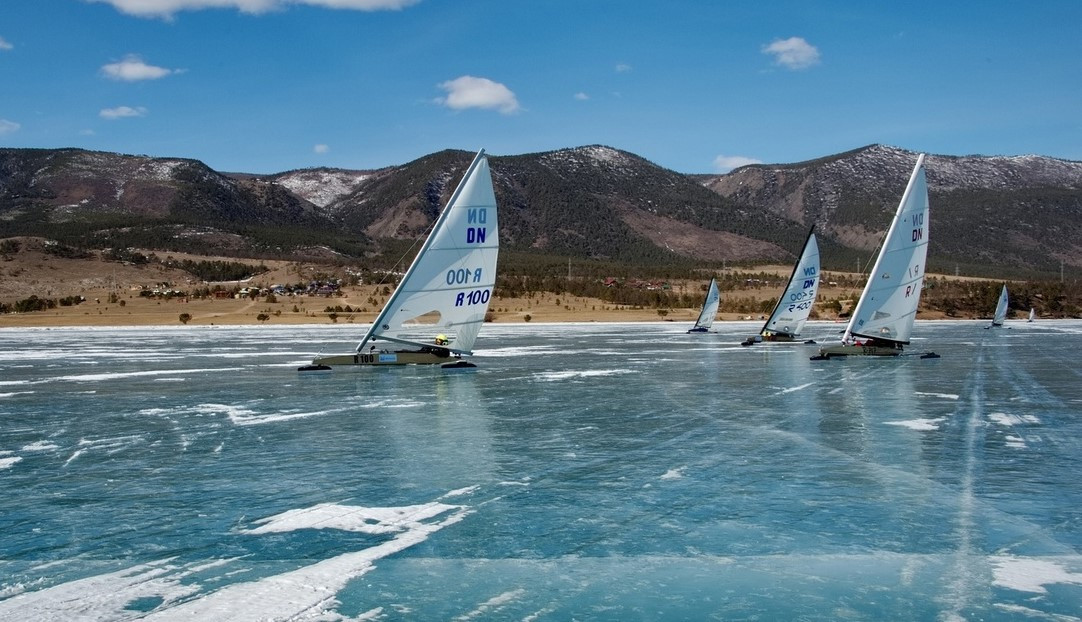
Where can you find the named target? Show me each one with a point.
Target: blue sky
(270, 85)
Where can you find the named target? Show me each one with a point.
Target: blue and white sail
(1001, 308)
(888, 305)
(447, 289)
(709, 310)
(796, 302)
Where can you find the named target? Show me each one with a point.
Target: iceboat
(709, 310)
(882, 321)
(796, 302)
(1000, 315)
(451, 279)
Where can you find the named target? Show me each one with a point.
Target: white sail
(710, 307)
(452, 276)
(796, 301)
(1032, 313)
(888, 306)
(1001, 308)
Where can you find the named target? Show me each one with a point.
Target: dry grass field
(112, 293)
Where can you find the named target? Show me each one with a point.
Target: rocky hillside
(991, 215)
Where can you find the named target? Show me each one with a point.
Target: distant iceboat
(883, 318)
(452, 278)
(709, 310)
(796, 302)
(1032, 314)
(1000, 315)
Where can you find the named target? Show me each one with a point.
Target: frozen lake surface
(589, 471)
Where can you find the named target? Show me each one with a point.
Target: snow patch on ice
(945, 396)
(1016, 442)
(461, 491)
(307, 593)
(921, 425)
(352, 518)
(101, 597)
(676, 473)
(1029, 574)
(495, 602)
(791, 389)
(553, 376)
(40, 446)
(515, 351)
(1012, 420)
(134, 374)
(7, 463)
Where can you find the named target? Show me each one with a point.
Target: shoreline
(105, 308)
(360, 305)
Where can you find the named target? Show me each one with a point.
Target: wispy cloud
(4, 45)
(321, 148)
(724, 163)
(623, 68)
(122, 112)
(133, 69)
(166, 9)
(793, 53)
(470, 92)
(8, 127)
(581, 96)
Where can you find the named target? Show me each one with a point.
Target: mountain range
(991, 216)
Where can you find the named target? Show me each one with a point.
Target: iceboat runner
(1000, 315)
(452, 278)
(882, 321)
(796, 302)
(709, 310)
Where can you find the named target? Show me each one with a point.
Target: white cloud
(793, 53)
(724, 163)
(470, 92)
(133, 69)
(581, 96)
(321, 148)
(623, 68)
(4, 45)
(122, 112)
(8, 127)
(167, 8)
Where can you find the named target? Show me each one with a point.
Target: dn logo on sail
(476, 235)
(918, 222)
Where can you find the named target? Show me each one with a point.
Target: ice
(582, 471)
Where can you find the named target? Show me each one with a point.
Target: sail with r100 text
(436, 312)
